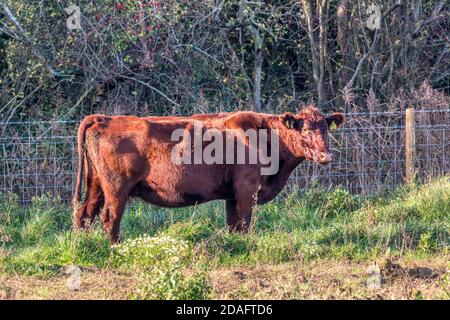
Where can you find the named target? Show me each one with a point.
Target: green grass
(314, 224)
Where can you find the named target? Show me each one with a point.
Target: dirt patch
(331, 280)
(95, 284)
(424, 273)
(394, 269)
(322, 279)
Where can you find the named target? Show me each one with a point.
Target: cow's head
(308, 131)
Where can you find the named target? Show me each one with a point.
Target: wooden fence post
(410, 144)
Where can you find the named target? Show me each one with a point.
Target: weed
(161, 264)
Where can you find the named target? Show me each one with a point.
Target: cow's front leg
(112, 215)
(232, 219)
(239, 212)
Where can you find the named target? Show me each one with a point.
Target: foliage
(172, 256)
(179, 57)
(151, 252)
(330, 202)
(162, 262)
(172, 284)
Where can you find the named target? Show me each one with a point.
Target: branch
(352, 80)
(392, 8)
(22, 36)
(434, 15)
(151, 87)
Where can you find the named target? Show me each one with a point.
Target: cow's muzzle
(324, 158)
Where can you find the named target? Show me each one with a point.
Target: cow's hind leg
(93, 202)
(112, 214)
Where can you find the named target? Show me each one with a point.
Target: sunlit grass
(307, 225)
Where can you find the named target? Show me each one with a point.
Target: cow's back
(137, 151)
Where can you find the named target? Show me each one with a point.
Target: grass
(312, 228)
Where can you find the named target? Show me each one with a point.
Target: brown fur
(126, 156)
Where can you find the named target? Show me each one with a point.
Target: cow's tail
(85, 124)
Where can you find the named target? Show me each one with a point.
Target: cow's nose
(325, 158)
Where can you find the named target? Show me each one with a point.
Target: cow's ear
(335, 120)
(288, 120)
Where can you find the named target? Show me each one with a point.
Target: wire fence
(369, 155)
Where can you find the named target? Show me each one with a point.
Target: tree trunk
(257, 73)
(317, 49)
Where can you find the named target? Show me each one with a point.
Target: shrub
(172, 284)
(162, 264)
(425, 243)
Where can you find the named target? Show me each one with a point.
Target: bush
(425, 243)
(172, 284)
(162, 264)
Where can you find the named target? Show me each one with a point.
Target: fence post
(410, 144)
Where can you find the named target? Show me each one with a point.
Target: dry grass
(319, 279)
(96, 284)
(328, 279)
(316, 245)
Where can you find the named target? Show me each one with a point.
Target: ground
(313, 244)
(325, 279)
